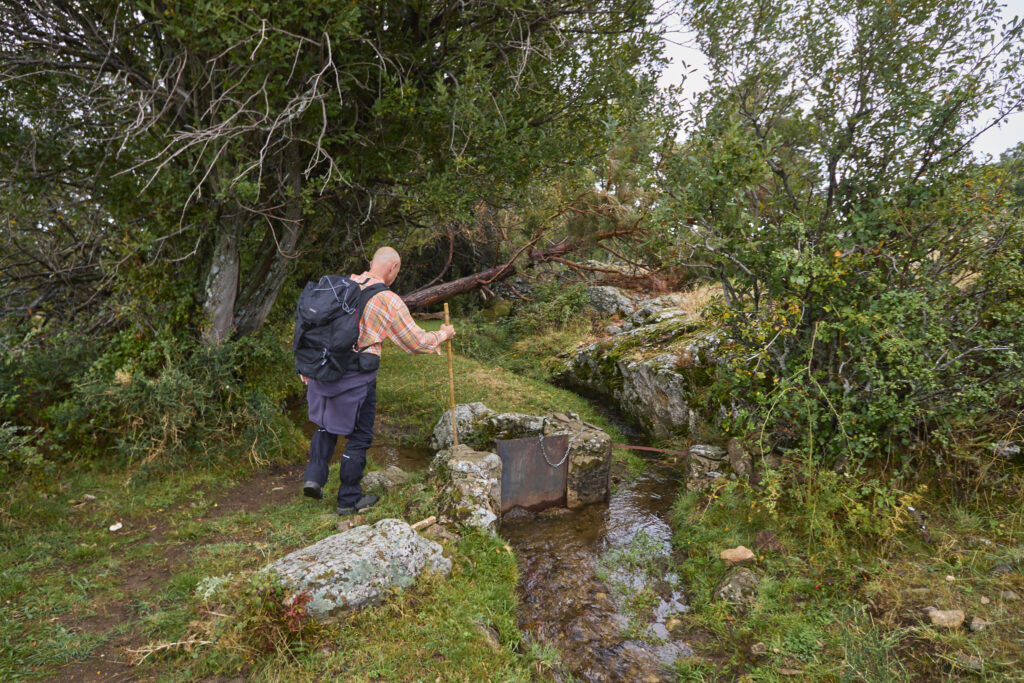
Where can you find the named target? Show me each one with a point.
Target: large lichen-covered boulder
(479, 426)
(610, 300)
(470, 486)
(468, 419)
(358, 567)
(656, 374)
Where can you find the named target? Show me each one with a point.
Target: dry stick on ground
(423, 523)
(153, 649)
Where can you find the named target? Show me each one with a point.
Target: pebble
(984, 600)
(979, 624)
(758, 649)
(1000, 569)
(1009, 595)
(950, 578)
(969, 662)
(946, 618)
(737, 555)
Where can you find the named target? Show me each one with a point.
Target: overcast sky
(687, 60)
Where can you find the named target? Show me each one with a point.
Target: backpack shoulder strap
(364, 298)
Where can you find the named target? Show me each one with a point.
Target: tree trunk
(253, 311)
(222, 286)
(446, 290)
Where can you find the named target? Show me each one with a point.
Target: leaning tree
(237, 137)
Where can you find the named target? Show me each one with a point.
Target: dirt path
(108, 662)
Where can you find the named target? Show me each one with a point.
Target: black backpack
(327, 327)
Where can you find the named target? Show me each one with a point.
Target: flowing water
(594, 581)
(595, 585)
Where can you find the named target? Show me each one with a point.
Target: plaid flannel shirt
(387, 317)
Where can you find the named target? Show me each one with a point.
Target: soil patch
(108, 662)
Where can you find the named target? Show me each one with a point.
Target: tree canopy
(237, 139)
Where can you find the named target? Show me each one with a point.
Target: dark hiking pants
(353, 460)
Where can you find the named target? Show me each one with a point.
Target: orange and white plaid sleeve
(387, 317)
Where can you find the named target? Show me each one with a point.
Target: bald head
(386, 264)
(384, 256)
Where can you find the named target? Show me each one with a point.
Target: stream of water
(594, 581)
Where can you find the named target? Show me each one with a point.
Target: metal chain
(544, 452)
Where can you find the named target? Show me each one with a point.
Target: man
(347, 407)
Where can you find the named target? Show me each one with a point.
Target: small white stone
(947, 618)
(950, 578)
(737, 555)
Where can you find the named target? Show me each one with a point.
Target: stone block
(470, 490)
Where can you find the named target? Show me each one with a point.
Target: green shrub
(197, 403)
(872, 269)
(265, 618)
(17, 450)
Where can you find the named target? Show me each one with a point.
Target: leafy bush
(17, 451)
(265, 618)
(168, 406)
(872, 271)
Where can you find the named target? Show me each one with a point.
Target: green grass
(852, 607)
(438, 629)
(64, 578)
(412, 393)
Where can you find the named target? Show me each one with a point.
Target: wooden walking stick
(451, 382)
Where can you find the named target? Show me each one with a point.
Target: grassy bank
(841, 606)
(81, 602)
(413, 392)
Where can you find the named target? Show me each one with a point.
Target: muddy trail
(142, 578)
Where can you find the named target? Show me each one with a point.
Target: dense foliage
(171, 170)
(260, 136)
(873, 272)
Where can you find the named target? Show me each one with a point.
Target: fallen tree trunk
(446, 290)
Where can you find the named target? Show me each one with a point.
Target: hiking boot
(312, 490)
(346, 511)
(367, 501)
